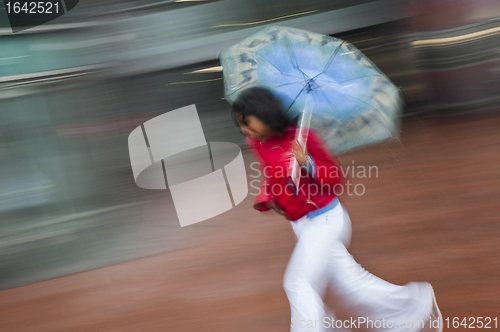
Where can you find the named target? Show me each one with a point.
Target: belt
(327, 207)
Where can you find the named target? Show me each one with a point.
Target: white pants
(320, 257)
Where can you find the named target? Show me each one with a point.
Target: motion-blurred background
(72, 90)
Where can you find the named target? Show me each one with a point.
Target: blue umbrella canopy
(354, 103)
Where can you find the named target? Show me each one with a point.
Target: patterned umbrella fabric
(354, 103)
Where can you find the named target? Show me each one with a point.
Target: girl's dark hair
(261, 103)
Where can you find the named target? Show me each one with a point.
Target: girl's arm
(319, 161)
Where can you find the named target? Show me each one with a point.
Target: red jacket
(315, 190)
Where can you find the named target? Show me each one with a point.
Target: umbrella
(351, 102)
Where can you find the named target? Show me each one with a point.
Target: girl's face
(253, 126)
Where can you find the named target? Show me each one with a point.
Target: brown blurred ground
(431, 214)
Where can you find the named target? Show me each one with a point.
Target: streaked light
(206, 70)
(15, 57)
(190, 82)
(269, 20)
(456, 39)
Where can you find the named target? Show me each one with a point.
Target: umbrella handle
(301, 137)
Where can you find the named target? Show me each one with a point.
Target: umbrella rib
(285, 84)
(352, 79)
(330, 82)
(269, 62)
(331, 104)
(294, 61)
(293, 102)
(350, 97)
(331, 60)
